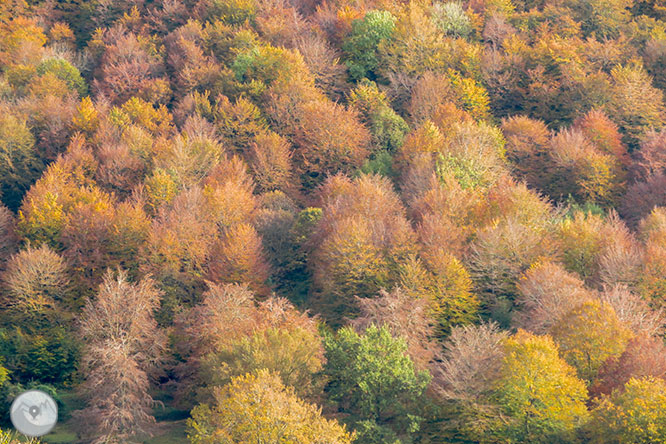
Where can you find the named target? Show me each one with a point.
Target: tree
(194, 69)
(451, 19)
(636, 105)
(371, 377)
(501, 253)
(586, 239)
(362, 45)
(649, 159)
(123, 347)
(238, 123)
(361, 239)
(602, 19)
(21, 41)
(416, 46)
(634, 311)
(20, 165)
(328, 138)
(271, 162)
(194, 154)
(388, 129)
(599, 129)
(527, 150)
(178, 247)
(645, 356)
(65, 183)
(35, 281)
(258, 408)
(239, 257)
(226, 313)
(294, 354)
(11, 438)
(406, 316)
(261, 65)
(583, 171)
(651, 282)
(229, 194)
(539, 394)
(35, 336)
(228, 331)
(547, 292)
(446, 286)
(643, 197)
(64, 71)
(430, 94)
(8, 238)
(473, 155)
(635, 414)
(471, 363)
(588, 335)
(130, 67)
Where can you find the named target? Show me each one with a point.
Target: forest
(335, 221)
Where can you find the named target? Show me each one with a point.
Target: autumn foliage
(335, 221)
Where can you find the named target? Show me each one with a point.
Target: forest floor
(171, 424)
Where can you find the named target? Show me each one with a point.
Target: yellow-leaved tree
(636, 414)
(258, 408)
(588, 335)
(538, 393)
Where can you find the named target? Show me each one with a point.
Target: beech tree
(527, 149)
(8, 238)
(588, 335)
(636, 105)
(271, 162)
(322, 149)
(547, 292)
(446, 286)
(471, 363)
(645, 356)
(539, 394)
(388, 129)
(130, 67)
(634, 414)
(500, 255)
(239, 257)
(178, 247)
(361, 238)
(123, 347)
(371, 377)
(35, 281)
(584, 171)
(363, 43)
(20, 165)
(294, 354)
(406, 316)
(594, 246)
(35, 321)
(259, 408)
(228, 332)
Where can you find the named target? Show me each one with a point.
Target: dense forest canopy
(335, 221)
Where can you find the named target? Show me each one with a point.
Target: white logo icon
(34, 413)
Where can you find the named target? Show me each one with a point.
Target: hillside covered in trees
(335, 221)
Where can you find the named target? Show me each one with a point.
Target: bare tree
(472, 360)
(634, 311)
(35, 280)
(546, 293)
(123, 346)
(405, 316)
